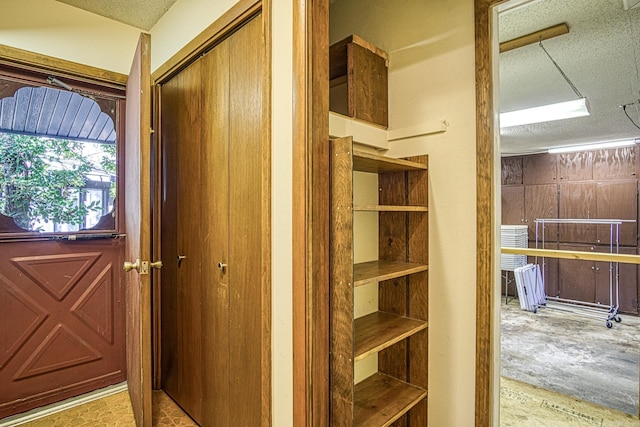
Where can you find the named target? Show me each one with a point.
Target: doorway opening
(571, 353)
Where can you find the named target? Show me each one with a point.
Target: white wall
(182, 22)
(62, 31)
(282, 213)
(431, 78)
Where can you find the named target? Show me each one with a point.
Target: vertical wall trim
(485, 191)
(311, 212)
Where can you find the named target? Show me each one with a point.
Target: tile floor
(115, 411)
(521, 405)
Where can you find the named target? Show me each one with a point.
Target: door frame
(238, 15)
(310, 277)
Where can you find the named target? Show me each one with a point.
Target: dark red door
(62, 317)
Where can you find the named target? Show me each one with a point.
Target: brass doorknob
(128, 266)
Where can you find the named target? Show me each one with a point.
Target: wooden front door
(61, 326)
(137, 172)
(213, 234)
(62, 303)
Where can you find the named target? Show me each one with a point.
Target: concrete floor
(573, 354)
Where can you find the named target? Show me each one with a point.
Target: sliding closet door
(212, 230)
(215, 220)
(245, 227)
(231, 221)
(181, 336)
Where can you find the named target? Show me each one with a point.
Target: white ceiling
(600, 55)
(141, 14)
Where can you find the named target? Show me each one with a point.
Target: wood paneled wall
(588, 184)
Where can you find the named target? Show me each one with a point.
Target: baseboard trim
(54, 408)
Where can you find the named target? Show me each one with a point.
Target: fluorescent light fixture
(595, 146)
(545, 113)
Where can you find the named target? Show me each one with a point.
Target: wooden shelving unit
(398, 331)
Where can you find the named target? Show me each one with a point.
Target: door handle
(142, 267)
(222, 266)
(128, 266)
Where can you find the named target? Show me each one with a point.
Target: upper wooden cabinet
(539, 169)
(511, 170)
(577, 200)
(617, 199)
(616, 163)
(575, 166)
(397, 331)
(541, 201)
(358, 85)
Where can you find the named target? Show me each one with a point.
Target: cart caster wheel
(609, 324)
(617, 319)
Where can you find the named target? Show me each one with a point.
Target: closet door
(245, 225)
(215, 223)
(181, 240)
(212, 295)
(232, 230)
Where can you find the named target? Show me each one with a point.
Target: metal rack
(597, 310)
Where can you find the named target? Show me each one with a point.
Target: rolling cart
(608, 312)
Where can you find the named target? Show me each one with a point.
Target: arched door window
(58, 159)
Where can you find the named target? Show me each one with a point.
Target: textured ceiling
(600, 55)
(141, 14)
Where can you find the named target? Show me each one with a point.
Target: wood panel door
(137, 199)
(513, 205)
(539, 169)
(576, 278)
(245, 227)
(216, 289)
(576, 166)
(577, 200)
(181, 240)
(617, 200)
(616, 163)
(627, 282)
(541, 201)
(212, 303)
(62, 315)
(511, 170)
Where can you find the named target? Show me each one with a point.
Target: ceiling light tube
(595, 146)
(545, 113)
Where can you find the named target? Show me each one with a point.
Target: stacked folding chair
(530, 287)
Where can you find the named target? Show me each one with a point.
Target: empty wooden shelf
(390, 208)
(382, 400)
(379, 270)
(398, 331)
(380, 330)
